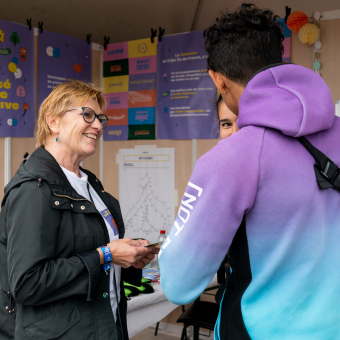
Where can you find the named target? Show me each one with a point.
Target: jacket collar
(41, 165)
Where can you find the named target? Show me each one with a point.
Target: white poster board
(146, 189)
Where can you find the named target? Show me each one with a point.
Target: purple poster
(185, 91)
(61, 59)
(17, 83)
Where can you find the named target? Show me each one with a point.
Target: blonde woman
(62, 245)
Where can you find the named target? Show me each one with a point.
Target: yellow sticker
(116, 84)
(2, 36)
(142, 48)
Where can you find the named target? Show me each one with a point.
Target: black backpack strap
(327, 172)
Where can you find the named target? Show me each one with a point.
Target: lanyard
(88, 189)
(107, 267)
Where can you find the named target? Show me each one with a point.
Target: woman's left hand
(148, 257)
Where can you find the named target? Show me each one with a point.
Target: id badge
(110, 220)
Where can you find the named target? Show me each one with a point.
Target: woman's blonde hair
(62, 98)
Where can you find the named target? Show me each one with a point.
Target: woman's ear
(219, 82)
(53, 122)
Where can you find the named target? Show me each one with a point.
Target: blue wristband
(107, 253)
(107, 257)
(107, 267)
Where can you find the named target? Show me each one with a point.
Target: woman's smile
(89, 135)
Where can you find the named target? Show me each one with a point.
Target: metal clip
(39, 182)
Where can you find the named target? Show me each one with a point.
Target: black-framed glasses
(89, 116)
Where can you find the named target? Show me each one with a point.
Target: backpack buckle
(324, 172)
(331, 171)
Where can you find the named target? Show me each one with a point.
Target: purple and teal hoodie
(256, 192)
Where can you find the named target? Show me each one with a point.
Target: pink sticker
(116, 51)
(117, 100)
(142, 65)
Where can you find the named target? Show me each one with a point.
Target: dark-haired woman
(227, 127)
(226, 119)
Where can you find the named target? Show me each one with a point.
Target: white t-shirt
(80, 186)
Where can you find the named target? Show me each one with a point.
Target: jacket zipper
(102, 223)
(74, 199)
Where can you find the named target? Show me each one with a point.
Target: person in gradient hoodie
(256, 192)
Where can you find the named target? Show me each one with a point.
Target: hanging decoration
(316, 63)
(296, 20)
(308, 32)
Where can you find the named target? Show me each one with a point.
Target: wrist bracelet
(107, 258)
(107, 253)
(107, 267)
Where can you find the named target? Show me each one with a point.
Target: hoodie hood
(289, 98)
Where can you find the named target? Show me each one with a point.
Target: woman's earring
(57, 140)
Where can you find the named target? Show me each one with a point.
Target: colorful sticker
(141, 48)
(117, 117)
(116, 84)
(119, 132)
(141, 116)
(141, 132)
(129, 82)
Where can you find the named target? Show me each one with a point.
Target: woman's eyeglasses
(89, 116)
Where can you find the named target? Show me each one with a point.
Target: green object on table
(144, 280)
(144, 288)
(130, 291)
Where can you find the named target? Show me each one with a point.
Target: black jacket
(48, 258)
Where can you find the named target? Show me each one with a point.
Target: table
(145, 310)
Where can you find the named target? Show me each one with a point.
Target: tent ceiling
(123, 20)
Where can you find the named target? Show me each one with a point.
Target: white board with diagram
(146, 191)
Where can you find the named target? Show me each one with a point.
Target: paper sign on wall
(146, 187)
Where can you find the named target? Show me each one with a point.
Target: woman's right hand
(127, 252)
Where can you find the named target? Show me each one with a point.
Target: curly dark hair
(241, 43)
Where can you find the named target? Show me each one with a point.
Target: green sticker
(116, 68)
(14, 38)
(5, 51)
(164, 94)
(143, 131)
